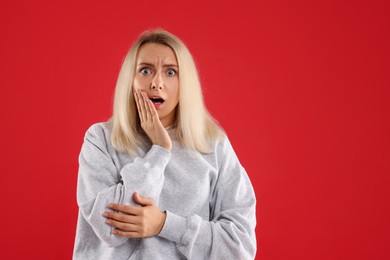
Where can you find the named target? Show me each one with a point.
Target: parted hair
(193, 125)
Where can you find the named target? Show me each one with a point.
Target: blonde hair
(193, 125)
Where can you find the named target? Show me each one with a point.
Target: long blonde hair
(193, 125)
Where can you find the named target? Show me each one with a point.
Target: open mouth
(157, 100)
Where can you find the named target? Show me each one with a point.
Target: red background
(301, 87)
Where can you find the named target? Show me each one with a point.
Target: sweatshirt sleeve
(230, 232)
(101, 183)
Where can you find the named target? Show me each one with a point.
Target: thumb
(142, 200)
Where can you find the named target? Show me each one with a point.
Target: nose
(157, 81)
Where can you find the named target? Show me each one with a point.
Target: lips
(157, 100)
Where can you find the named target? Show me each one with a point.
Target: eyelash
(174, 71)
(142, 69)
(149, 70)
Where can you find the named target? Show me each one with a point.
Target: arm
(230, 233)
(99, 181)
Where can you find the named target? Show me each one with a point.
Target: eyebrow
(151, 65)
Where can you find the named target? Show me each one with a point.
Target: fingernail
(105, 214)
(108, 221)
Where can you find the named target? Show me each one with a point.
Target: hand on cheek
(150, 121)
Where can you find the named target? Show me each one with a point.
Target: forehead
(154, 52)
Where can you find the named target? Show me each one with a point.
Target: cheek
(140, 83)
(177, 92)
(174, 89)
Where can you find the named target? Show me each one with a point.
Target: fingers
(137, 103)
(130, 210)
(145, 100)
(120, 217)
(142, 200)
(135, 221)
(152, 110)
(129, 227)
(145, 107)
(150, 121)
(131, 234)
(126, 225)
(125, 229)
(139, 99)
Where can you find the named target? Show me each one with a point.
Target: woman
(160, 180)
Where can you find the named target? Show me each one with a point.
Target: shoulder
(223, 148)
(99, 128)
(222, 143)
(99, 133)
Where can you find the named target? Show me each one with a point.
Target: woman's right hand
(150, 121)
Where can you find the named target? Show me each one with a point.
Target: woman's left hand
(135, 221)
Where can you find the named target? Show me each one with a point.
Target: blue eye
(145, 71)
(171, 72)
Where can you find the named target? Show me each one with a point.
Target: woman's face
(157, 74)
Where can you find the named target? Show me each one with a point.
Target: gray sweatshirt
(208, 198)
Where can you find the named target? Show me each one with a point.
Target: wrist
(162, 222)
(165, 146)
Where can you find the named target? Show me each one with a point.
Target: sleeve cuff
(174, 227)
(157, 155)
